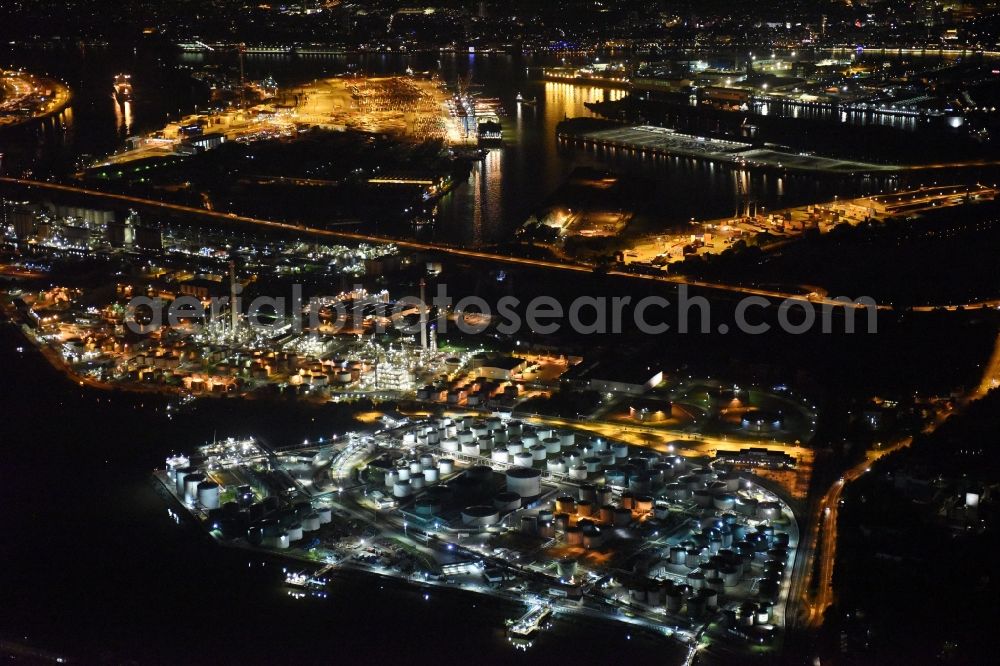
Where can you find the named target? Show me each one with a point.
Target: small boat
(521, 100)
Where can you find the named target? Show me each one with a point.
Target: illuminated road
(448, 249)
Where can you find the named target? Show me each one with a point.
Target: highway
(453, 250)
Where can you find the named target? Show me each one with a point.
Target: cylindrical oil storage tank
(514, 427)
(746, 506)
(730, 576)
(628, 499)
(724, 502)
(607, 514)
(567, 437)
(191, 482)
(621, 517)
(433, 437)
(711, 598)
(593, 464)
(500, 455)
(664, 471)
(529, 525)
(507, 501)
(416, 467)
(529, 439)
(500, 436)
(524, 481)
(588, 492)
(584, 508)
(574, 535)
(545, 514)
(402, 489)
(180, 475)
(677, 555)
(705, 474)
(717, 487)
(281, 541)
(640, 482)
(426, 460)
(561, 521)
(566, 568)
(409, 438)
(311, 522)
(702, 498)
(614, 477)
(446, 466)
(480, 516)
(593, 537)
(551, 445)
(515, 446)
(763, 614)
(620, 450)
(565, 504)
(640, 462)
(175, 463)
(556, 465)
(693, 559)
(677, 491)
(485, 443)
(710, 570)
(696, 579)
(661, 510)
(325, 515)
(391, 477)
(546, 529)
(602, 495)
(430, 475)
(524, 459)
(403, 474)
(538, 452)
(466, 436)
(573, 454)
(208, 494)
(643, 503)
(417, 481)
(578, 472)
(673, 599)
(690, 481)
(493, 423)
(470, 449)
(544, 432)
(450, 444)
(768, 510)
(607, 459)
(731, 479)
(479, 429)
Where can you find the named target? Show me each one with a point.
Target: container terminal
(559, 519)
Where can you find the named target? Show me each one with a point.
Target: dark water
(95, 569)
(501, 192)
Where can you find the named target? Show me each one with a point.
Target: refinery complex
(556, 518)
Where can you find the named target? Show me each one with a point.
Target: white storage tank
(175, 463)
(538, 452)
(480, 516)
(470, 449)
(416, 467)
(500, 455)
(403, 474)
(282, 541)
(466, 436)
(724, 502)
(551, 445)
(325, 514)
(208, 494)
(430, 475)
(391, 477)
(310, 523)
(402, 489)
(515, 446)
(507, 501)
(426, 460)
(191, 482)
(578, 472)
(620, 450)
(449, 444)
(768, 510)
(556, 465)
(446, 466)
(179, 477)
(417, 481)
(524, 481)
(514, 427)
(567, 438)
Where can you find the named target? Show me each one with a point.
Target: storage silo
(567, 437)
(724, 502)
(593, 464)
(466, 436)
(208, 494)
(403, 474)
(529, 439)
(529, 524)
(294, 532)
(480, 516)
(430, 475)
(450, 444)
(515, 446)
(402, 489)
(673, 599)
(538, 452)
(621, 517)
(620, 451)
(446, 466)
(175, 463)
(500, 455)
(514, 427)
(485, 443)
(643, 503)
(578, 473)
(524, 481)
(325, 515)
(180, 475)
(415, 467)
(191, 482)
(556, 465)
(552, 445)
(696, 579)
(677, 555)
(524, 459)
(391, 477)
(417, 481)
(282, 541)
